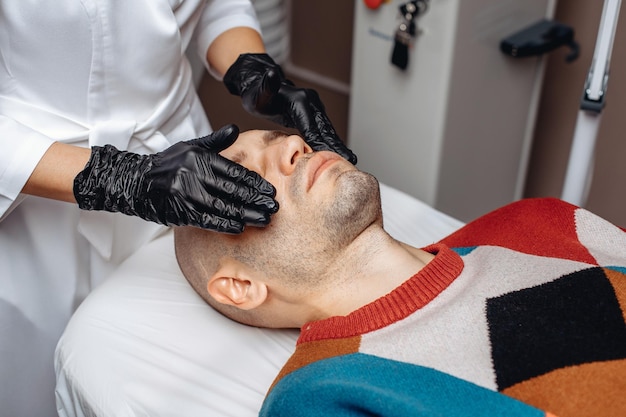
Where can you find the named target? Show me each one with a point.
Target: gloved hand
(265, 92)
(188, 183)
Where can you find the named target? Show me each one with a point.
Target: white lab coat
(86, 72)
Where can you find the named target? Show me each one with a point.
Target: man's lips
(318, 164)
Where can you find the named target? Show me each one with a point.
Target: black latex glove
(265, 92)
(186, 184)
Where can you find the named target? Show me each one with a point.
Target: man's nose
(292, 149)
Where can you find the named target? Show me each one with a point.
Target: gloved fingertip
(266, 188)
(266, 204)
(256, 218)
(273, 206)
(271, 82)
(352, 158)
(229, 130)
(222, 138)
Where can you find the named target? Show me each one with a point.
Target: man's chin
(356, 203)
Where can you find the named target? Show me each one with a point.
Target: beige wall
(558, 111)
(322, 39)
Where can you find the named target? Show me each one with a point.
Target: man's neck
(372, 266)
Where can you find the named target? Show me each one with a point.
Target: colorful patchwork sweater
(525, 305)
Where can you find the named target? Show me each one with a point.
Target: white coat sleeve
(219, 16)
(21, 148)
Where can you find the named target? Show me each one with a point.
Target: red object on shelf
(373, 4)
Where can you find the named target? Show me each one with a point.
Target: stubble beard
(356, 206)
(322, 233)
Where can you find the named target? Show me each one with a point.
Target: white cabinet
(454, 129)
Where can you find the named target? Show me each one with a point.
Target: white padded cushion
(145, 344)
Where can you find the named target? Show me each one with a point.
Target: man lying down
(521, 310)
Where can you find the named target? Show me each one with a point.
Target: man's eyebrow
(267, 138)
(239, 157)
(271, 135)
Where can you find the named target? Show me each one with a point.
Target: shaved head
(325, 203)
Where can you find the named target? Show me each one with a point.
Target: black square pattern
(573, 320)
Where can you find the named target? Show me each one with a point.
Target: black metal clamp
(539, 38)
(406, 31)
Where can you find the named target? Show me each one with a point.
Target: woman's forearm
(227, 47)
(54, 175)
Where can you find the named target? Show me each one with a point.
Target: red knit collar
(409, 297)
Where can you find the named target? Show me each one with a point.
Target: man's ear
(238, 291)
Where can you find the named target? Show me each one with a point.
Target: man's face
(325, 201)
(301, 176)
